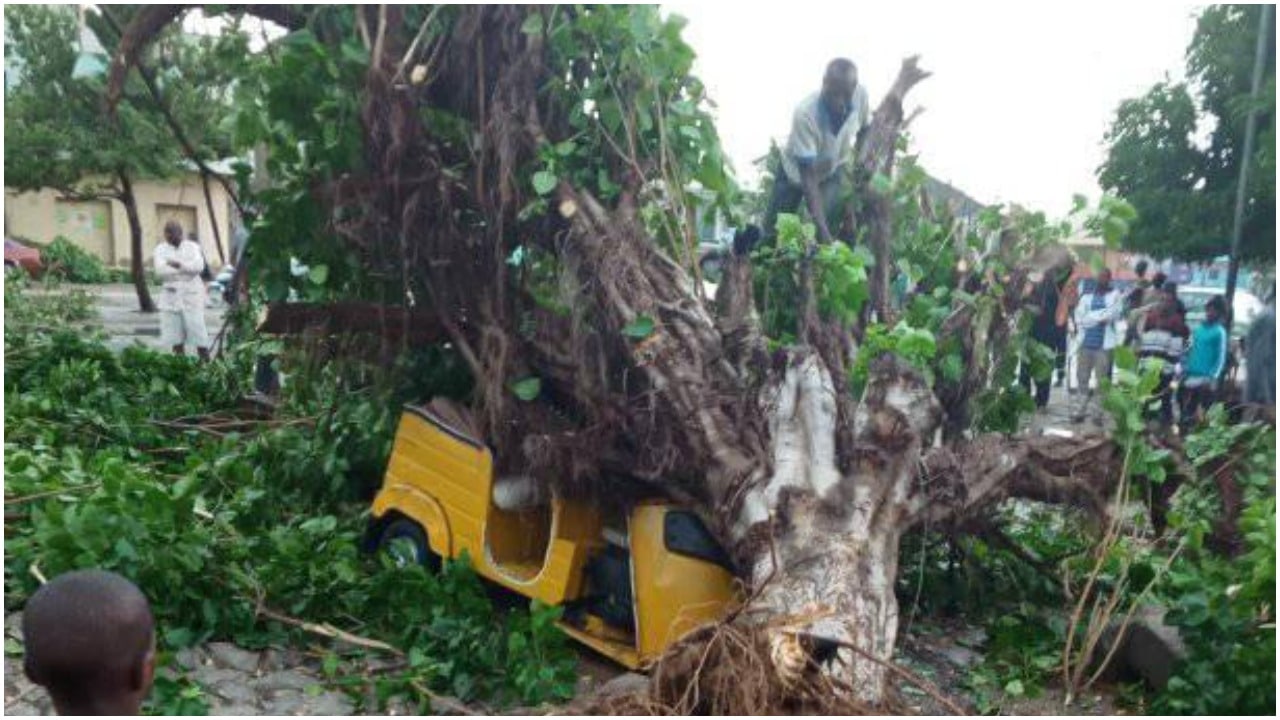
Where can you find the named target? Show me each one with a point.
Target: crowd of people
(1192, 363)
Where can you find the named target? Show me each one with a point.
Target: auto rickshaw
(630, 582)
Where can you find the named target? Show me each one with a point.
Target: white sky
(1019, 100)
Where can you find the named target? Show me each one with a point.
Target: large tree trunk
(137, 267)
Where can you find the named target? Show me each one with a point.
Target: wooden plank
(350, 318)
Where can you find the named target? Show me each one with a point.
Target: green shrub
(65, 260)
(1224, 606)
(213, 528)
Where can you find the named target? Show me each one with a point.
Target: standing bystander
(1096, 317)
(178, 264)
(1206, 361)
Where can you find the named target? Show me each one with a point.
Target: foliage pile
(1223, 605)
(28, 314)
(1020, 575)
(216, 526)
(67, 261)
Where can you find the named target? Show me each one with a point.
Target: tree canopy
(1174, 151)
(54, 130)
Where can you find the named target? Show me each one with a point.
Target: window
(684, 534)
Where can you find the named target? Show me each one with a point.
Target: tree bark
(875, 156)
(137, 266)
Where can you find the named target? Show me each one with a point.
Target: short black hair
(840, 66)
(1140, 268)
(1158, 280)
(85, 633)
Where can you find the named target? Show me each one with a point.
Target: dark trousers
(788, 197)
(1055, 339)
(1191, 401)
(1041, 386)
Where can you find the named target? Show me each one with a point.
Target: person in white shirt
(1096, 316)
(178, 264)
(824, 130)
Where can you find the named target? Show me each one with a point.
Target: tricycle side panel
(674, 593)
(455, 473)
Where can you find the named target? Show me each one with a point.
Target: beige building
(102, 227)
(1087, 247)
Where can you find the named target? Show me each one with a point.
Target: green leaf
(1014, 688)
(318, 274)
(125, 549)
(544, 182)
(640, 328)
(528, 388)
(330, 665)
(881, 184)
(355, 53)
(952, 368)
(532, 25)
(1114, 230)
(179, 637)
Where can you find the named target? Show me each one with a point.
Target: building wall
(102, 228)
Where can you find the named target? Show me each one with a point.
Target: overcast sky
(1020, 96)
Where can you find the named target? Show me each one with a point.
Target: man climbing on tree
(824, 130)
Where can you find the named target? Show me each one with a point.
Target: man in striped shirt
(1163, 339)
(1096, 317)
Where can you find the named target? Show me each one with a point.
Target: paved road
(125, 325)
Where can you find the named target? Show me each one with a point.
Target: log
(351, 318)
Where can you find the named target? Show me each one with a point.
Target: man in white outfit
(178, 264)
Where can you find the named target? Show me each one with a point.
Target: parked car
(220, 288)
(1245, 307)
(17, 255)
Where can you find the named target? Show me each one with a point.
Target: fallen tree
(524, 173)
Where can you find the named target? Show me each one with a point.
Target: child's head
(89, 641)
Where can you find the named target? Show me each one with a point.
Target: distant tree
(56, 133)
(1182, 184)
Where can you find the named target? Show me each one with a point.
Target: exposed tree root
(733, 668)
